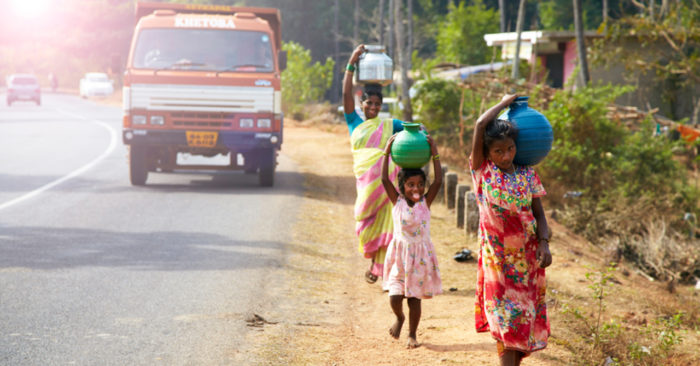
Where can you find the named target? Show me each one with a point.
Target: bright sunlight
(29, 9)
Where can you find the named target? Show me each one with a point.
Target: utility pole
(581, 44)
(519, 29)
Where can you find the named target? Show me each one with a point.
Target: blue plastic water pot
(535, 135)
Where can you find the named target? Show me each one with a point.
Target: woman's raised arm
(348, 100)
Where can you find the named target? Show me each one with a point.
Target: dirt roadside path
(331, 315)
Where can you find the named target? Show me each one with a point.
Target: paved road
(94, 271)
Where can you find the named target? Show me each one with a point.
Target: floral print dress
(411, 266)
(510, 290)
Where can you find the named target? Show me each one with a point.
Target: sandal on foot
(370, 277)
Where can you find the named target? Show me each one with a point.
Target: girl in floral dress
(411, 267)
(513, 241)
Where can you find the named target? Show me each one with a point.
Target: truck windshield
(198, 49)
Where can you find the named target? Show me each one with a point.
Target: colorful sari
(510, 290)
(372, 207)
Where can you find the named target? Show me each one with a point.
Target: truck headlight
(264, 123)
(246, 123)
(138, 119)
(157, 120)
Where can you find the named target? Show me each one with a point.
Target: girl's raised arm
(437, 172)
(477, 156)
(348, 100)
(386, 182)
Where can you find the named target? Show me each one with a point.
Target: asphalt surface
(94, 271)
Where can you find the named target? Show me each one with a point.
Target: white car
(96, 84)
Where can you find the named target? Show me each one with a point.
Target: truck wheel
(138, 171)
(268, 162)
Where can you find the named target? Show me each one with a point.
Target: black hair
(406, 173)
(366, 94)
(372, 89)
(496, 130)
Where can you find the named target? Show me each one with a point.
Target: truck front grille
(193, 100)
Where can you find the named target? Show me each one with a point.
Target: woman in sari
(368, 138)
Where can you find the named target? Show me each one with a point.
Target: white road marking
(75, 173)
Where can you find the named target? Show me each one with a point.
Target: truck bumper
(237, 141)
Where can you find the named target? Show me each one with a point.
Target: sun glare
(29, 9)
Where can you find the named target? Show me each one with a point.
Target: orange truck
(203, 80)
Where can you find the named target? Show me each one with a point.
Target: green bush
(635, 192)
(303, 82)
(437, 105)
(583, 138)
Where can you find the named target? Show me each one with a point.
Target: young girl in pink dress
(411, 266)
(513, 241)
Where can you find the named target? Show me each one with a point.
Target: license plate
(202, 138)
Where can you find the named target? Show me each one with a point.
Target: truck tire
(268, 163)
(138, 168)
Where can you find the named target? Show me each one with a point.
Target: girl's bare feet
(395, 329)
(412, 343)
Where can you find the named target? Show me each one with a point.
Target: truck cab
(203, 80)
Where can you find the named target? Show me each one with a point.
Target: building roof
(498, 39)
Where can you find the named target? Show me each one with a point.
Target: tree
(675, 32)
(304, 81)
(381, 22)
(460, 36)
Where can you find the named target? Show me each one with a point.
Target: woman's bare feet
(412, 343)
(395, 329)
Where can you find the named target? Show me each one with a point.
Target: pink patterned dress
(510, 289)
(411, 266)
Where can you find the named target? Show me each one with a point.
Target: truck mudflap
(231, 140)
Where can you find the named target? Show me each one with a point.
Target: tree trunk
(390, 40)
(336, 89)
(502, 11)
(581, 44)
(409, 41)
(605, 12)
(356, 28)
(381, 22)
(519, 29)
(401, 51)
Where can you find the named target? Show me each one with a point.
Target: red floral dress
(510, 290)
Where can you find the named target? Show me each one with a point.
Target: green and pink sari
(372, 207)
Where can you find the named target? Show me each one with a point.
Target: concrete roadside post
(471, 214)
(450, 187)
(460, 204)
